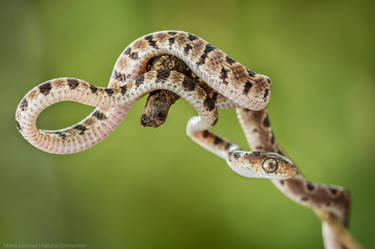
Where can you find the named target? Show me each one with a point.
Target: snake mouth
(147, 121)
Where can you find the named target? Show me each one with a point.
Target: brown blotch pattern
(247, 87)
(80, 128)
(140, 80)
(209, 103)
(251, 73)
(310, 186)
(60, 134)
(229, 60)
(272, 138)
(119, 76)
(23, 104)
(188, 84)
(192, 37)
(187, 48)
(99, 115)
(45, 88)
(123, 89)
(218, 140)
(73, 83)
(333, 190)
(150, 41)
(93, 88)
(205, 133)
(171, 40)
(224, 74)
(215, 121)
(266, 92)
(209, 48)
(266, 121)
(133, 55)
(109, 91)
(162, 74)
(18, 126)
(127, 51)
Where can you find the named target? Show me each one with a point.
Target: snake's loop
(222, 73)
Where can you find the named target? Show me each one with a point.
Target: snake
(129, 82)
(258, 131)
(229, 85)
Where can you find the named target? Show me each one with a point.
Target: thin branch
(342, 234)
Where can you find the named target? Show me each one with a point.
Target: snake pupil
(269, 165)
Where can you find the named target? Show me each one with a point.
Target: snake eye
(269, 165)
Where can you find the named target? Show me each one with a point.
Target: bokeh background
(155, 188)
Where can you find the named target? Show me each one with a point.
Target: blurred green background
(155, 188)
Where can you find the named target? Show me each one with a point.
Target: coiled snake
(230, 85)
(129, 82)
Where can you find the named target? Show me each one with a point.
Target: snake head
(261, 165)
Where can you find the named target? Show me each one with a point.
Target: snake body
(229, 78)
(129, 82)
(229, 85)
